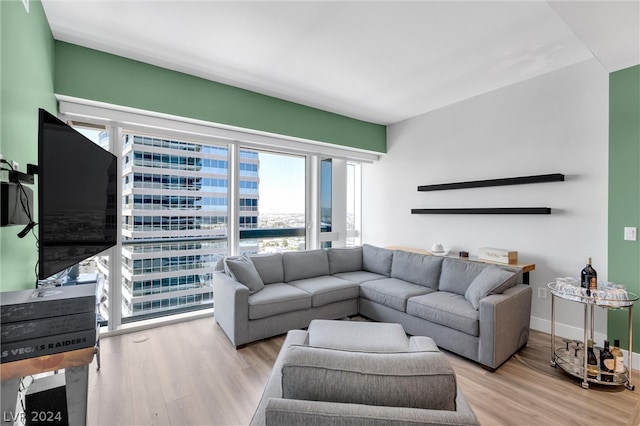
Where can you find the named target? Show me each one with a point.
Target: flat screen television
(77, 197)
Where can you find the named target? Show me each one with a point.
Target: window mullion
(312, 201)
(233, 208)
(115, 259)
(357, 205)
(339, 201)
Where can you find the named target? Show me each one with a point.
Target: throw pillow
(242, 269)
(219, 264)
(491, 280)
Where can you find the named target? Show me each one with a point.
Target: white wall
(556, 123)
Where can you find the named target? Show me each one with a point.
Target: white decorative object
(437, 248)
(498, 255)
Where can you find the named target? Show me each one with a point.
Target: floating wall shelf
(554, 177)
(486, 210)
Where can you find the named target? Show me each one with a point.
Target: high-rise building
(175, 220)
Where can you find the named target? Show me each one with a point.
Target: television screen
(77, 197)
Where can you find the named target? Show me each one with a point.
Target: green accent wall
(26, 81)
(99, 76)
(624, 196)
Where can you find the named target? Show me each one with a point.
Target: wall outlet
(542, 293)
(630, 233)
(15, 165)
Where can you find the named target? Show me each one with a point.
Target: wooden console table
(76, 370)
(526, 267)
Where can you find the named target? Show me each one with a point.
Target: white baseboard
(156, 322)
(571, 332)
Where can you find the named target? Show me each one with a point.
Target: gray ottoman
(358, 336)
(351, 373)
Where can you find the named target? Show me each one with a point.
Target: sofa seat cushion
(359, 276)
(327, 289)
(392, 292)
(416, 268)
(299, 265)
(448, 309)
(277, 298)
(412, 379)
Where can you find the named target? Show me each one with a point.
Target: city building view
(175, 197)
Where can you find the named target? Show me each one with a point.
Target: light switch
(630, 233)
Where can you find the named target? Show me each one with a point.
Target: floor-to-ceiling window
(187, 200)
(174, 223)
(272, 202)
(339, 203)
(326, 211)
(354, 214)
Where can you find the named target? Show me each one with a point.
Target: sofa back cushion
(299, 265)
(411, 379)
(377, 260)
(457, 275)
(416, 268)
(269, 267)
(345, 259)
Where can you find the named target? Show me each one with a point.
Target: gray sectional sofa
(477, 310)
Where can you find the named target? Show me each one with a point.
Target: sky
(282, 183)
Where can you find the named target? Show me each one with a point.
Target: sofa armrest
(504, 324)
(231, 307)
(294, 412)
(422, 344)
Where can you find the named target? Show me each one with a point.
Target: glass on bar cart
(611, 293)
(570, 287)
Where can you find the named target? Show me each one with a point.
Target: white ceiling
(379, 61)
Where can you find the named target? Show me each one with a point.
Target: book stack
(47, 321)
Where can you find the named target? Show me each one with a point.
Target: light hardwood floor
(189, 373)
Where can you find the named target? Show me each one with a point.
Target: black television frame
(61, 248)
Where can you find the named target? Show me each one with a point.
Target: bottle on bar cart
(592, 361)
(589, 278)
(607, 363)
(618, 356)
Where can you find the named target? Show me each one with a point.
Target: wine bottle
(619, 357)
(592, 361)
(607, 363)
(589, 278)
